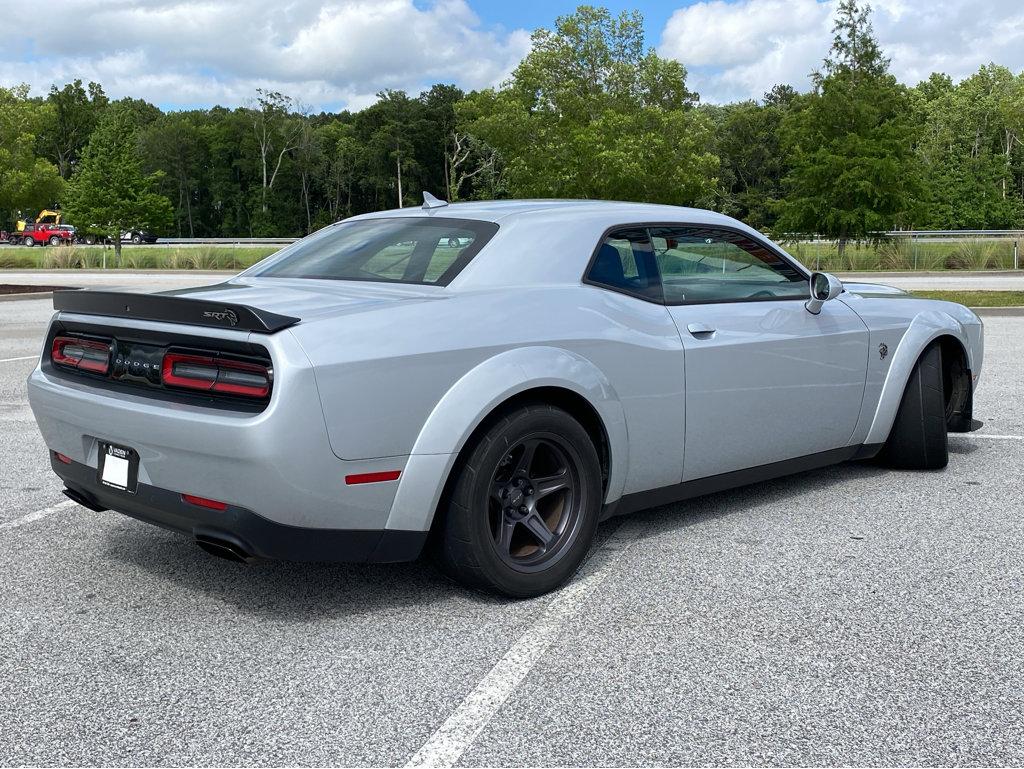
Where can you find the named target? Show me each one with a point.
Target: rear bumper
(277, 463)
(245, 531)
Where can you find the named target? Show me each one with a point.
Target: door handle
(700, 330)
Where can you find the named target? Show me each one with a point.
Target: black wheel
(28, 241)
(524, 506)
(54, 240)
(90, 240)
(918, 439)
(136, 239)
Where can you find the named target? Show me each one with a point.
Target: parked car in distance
(489, 380)
(136, 237)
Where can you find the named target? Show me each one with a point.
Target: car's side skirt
(666, 495)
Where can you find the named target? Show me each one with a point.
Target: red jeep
(41, 234)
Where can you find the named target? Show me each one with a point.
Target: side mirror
(823, 288)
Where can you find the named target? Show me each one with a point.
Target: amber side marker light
(212, 504)
(387, 475)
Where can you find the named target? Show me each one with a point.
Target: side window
(699, 264)
(624, 261)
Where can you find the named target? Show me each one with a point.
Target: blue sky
(330, 54)
(529, 14)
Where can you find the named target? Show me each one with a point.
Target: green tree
(27, 182)
(173, 144)
(109, 193)
(970, 149)
(753, 162)
(74, 112)
(341, 157)
(589, 113)
(850, 143)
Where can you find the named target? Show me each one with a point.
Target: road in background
(158, 280)
(851, 615)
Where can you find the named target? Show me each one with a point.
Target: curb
(25, 296)
(1006, 312)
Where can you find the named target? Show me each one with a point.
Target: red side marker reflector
(62, 458)
(387, 475)
(204, 502)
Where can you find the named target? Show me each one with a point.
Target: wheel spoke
(525, 459)
(543, 487)
(504, 535)
(536, 526)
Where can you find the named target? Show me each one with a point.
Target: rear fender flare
(924, 329)
(473, 397)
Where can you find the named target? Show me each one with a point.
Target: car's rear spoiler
(171, 309)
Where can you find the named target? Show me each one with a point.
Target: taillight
(82, 354)
(200, 372)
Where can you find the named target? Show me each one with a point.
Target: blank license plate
(119, 467)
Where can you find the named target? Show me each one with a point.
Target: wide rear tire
(521, 513)
(918, 439)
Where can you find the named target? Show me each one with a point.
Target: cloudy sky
(181, 53)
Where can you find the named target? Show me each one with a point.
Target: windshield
(426, 251)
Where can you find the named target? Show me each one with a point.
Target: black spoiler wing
(171, 309)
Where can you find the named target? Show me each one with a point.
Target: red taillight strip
(212, 504)
(201, 372)
(64, 348)
(387, 475)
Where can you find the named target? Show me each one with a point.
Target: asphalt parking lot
(846, 616)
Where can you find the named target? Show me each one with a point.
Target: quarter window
(625, 262)
(701, 265)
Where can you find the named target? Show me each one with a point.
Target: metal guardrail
(952, 234)
(228, 241)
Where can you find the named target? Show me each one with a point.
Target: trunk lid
(308, 299)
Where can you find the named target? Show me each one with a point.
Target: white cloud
(219, 51)
(739, 50)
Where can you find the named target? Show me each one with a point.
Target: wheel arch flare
(491, 385)
(925, 328)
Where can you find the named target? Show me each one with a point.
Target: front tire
(918, 439)
(28, 241)
(524, 506)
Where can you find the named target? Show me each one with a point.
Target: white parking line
(984, 435)
(464, 725)
(10, 360)
(37, 515)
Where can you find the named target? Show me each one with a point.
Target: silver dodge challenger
(488, 381)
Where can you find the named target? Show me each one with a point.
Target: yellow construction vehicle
(46, 216)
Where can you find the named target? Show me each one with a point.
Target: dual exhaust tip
(220, 545)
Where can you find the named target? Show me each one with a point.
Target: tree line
(590, 112)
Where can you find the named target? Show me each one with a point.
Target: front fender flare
(924, 329)
(476, 395)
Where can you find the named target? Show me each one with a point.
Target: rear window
(393, 250)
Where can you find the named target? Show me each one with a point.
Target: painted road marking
(463, 726)
(984, 435)
(37, 515)
(10, 360)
